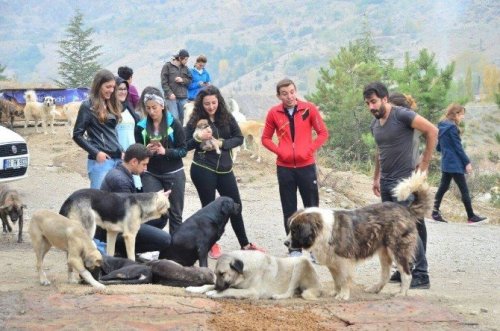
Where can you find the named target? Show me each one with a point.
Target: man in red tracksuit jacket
(293, 121)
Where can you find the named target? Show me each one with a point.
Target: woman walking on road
(454, 162)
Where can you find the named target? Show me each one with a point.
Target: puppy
(49, 108)
(115, 212)
(196, 235)
(252, 131)
(207, 144)
(49, 229)
(256, 275)
(70, 110)
(341, 238)
(9, 110)
(11, 207)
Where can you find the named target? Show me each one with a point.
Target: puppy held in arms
(204, 129)
(49, 229)
(341, 238)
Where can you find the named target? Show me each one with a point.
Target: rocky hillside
(250, 45)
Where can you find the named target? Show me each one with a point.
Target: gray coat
(168, 83)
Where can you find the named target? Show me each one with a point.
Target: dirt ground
(464, 265)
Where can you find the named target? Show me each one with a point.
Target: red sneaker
(253, 247)
(215, 252)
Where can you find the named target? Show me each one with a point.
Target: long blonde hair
(102, 107)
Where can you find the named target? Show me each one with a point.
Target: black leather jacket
(101, 137)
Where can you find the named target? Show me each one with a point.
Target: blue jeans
(97, 171)
(420, 267)
(176, 108)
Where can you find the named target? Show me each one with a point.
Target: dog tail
(30, 96)
(415, 189)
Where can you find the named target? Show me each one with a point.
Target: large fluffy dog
(11, 207)
(49, 229)
(39, 112)
(196, 235)
(115, 212)
(340, 238)
(49, 108)
(256, 275)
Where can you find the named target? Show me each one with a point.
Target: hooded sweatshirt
(453, 157)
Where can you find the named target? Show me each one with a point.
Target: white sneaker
(150, 256)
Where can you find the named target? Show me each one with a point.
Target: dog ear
(237, 265)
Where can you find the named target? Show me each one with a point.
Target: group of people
(142, 146)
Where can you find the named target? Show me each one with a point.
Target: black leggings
(207, 182)
(462, 185)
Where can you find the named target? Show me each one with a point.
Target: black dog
(195, 236)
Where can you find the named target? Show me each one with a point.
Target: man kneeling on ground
(151, 236)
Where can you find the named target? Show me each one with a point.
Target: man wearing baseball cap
(175, 78)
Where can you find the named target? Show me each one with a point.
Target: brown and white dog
(11, 207)
(39, 112)
(207, 144)
(48, 229)
(341, 238)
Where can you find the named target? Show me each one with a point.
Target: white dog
(49, 108)
(70, 110)
(256, 275)
(38, 111)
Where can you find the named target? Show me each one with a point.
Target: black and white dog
(115, 212)
(196, 235)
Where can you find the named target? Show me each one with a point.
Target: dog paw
(401, 294)
(99, 288)
(45, 282)
(373, 289)
(212, 294)
(194, 289)
(342, 296)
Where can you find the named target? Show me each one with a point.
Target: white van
(14, 156)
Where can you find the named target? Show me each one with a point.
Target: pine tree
(339, 95)
(2, 69)
(79, 55)
(425, 82)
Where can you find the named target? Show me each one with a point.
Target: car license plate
(20, 162)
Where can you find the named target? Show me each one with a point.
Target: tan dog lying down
(49, 229)
(256, 275)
